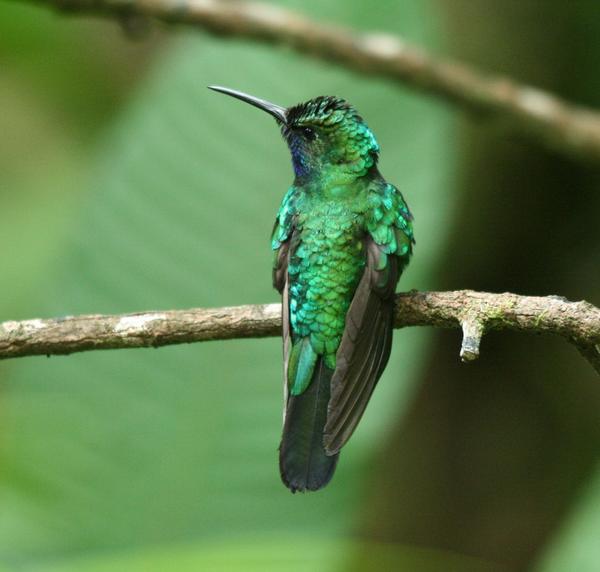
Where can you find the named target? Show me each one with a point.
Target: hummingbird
(342, 238)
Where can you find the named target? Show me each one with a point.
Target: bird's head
(326, 136)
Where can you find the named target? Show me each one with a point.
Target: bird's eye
(309, 133)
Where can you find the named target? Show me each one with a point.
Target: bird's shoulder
(388, 219)
(284, 220)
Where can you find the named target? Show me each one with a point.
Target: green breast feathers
(326, 258)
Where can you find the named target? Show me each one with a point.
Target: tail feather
(303, 463)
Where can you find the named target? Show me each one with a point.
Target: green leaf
(275, 553)
(575, 546)
(118, 449)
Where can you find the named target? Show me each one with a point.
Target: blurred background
(126, 185)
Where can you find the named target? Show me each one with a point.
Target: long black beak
(276, 111)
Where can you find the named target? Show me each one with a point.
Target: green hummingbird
(342, 237)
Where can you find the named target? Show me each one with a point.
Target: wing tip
(331, 449)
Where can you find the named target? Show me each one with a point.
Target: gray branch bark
(474, 312)
(547, 119)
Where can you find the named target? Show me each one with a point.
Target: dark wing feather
(281, 239)
(280, 283)
(280, 266)
(364, 349)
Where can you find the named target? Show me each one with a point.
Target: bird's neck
(337, 181)
(330, 175)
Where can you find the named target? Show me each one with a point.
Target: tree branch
(475, 312)
(544, 117)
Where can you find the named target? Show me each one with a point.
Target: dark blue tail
(303, 464)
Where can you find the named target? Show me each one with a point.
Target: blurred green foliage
(125, 185)
(575, 546)
(170, 205)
